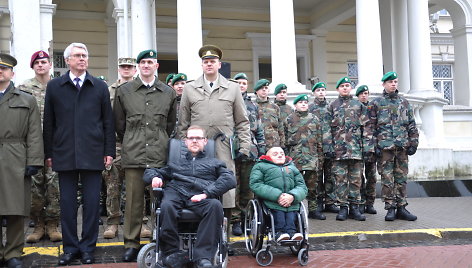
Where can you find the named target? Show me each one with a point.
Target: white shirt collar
(208, 82)
(81, 77)
(150, 84)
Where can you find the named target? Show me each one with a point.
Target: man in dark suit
(79, 141)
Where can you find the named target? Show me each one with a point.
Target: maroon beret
(38, 55)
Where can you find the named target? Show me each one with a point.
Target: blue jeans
(284, 221)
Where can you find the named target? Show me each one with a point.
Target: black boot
(362, 208)
(316, 214)
(354, 213)
(370, 209)
(404, 214)
(390, 214)
(319, 205)
(342, 214)
(331, 208)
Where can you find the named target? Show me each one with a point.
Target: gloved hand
(31, 170)
(329, 155)
(411, 150)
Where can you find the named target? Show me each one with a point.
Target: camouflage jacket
(285, 109)
(371, 158)
(320, 109)
(269, 113)
(394, 122)
(304, 140)
(35, 88)
(351, 128)
(258, 147)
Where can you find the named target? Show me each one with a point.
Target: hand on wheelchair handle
(156, 182)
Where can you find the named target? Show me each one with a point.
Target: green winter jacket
(269, 180)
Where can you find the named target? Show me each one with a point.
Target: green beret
(179, 77)
(389, 76)
(169, 77)
(147, 54)
(261, 83)
(240, 76)
(318, 85)
(342, 81)
(302, 97)
(7, 60)
(361, 89)
(279, 88)
(210, 52)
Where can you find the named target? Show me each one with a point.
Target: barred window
(443, 81)
(59, 64)
(352, 73)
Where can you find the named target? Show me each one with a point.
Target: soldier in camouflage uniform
(269, 113)
(280, 93)
(369, 178)
(114, 175)
(397, 138)
(45, 210)
(326, 182)
(305, 146)
(243, 164)
(351, 129)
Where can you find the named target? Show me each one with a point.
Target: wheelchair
(150, 255)
(260, 234)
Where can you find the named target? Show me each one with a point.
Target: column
(320, 62)
(189, 37)
(369, 44)
(123, 39)
(47, 10)
(142, 23)
(283, 47)
(463, 65)
(25, 35)
(400, 55)
(112, 74)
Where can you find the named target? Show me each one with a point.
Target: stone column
(463, 65)
(369, 44)
(400, 55)
(26, 35)
(189, 37)
(47, 10)
(143, 25)
(112, 74)
(320, 62)
(123, 39)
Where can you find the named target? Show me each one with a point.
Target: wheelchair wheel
(253, 227)
(264, 257)
(303, 257)
(147, 256)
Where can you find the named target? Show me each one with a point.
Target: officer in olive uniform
(178, 82)
(397, 138)
(269, 113)
(244, 166)
(145, 116)
(22, 155)
(280, 93)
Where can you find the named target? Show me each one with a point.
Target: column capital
(118, 13)
(48, 8)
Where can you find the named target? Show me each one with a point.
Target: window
(59, 64)
(352, 73)
(443, 81)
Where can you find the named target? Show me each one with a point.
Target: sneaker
(297, 237)
(282, 236)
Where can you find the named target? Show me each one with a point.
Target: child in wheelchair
(280, 185)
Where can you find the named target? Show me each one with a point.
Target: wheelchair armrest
(157, 192)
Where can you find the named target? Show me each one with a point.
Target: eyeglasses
(195, 138)
(78, 56)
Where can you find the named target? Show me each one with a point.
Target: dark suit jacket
(78, 125)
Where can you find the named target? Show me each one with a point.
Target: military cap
(240, 76)
(301, 97)
(318, 85)
(389, 76)
(169, 77)
(361, 89)
(179, 77)
(261, 83)
(127, 61)
(38, 55)
(279, 88)
(342, 81)
(147, 54)
(210, 52)
(7, 60)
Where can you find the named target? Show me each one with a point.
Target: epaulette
(232, 80)
(188, 81)
(27, 92)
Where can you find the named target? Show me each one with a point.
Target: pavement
(440, 219)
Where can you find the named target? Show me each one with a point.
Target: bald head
(277, 155)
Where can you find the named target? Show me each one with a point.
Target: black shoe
(130, 254)
(315, 214)
(362, 209)
(390, 214)
(87, 258)
(100, 221)
(236, 229)
(67, 258)
(204, 263)
(176, 260)
(342, 214)
(369, 209)
(31, 224)
(404, 214)
(230, 252)
(14, 263)
(354, 213)
(331, 208)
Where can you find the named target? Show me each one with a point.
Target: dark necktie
(77, 84)
(211, 84)
(148, 86)
(1, 95)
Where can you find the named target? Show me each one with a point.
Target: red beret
(38, 55)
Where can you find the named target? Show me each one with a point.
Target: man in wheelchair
(195, 182)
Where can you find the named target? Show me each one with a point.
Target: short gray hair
(69, 49)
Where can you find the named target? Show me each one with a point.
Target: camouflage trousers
(45, 195)
(243, 192)
(393, 169)
(311, 181)
(348, 181)
(326, 183)
(113, 179)
(369, 180)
